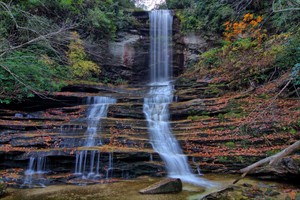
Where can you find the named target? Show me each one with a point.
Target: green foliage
(202, 15)
(211, 57)
(230, 145)
(243, 44)
(121, 81)
(223, 158)
(5, 25)
(272, 152)
(99, 21)
(295, 74)
(80, 66)
(290, 130)
(196, 117)
(293, 131)
(99, 18)
(179, 4)
(65, 2)
(37, 66)
(287, 20)
(234, 114)
(106, 80)
(253, 62)
(264, 96)
(25, 72)
(290, 56)
(210, 15)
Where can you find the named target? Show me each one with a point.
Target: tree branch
(283, 9)
(46, 36)
(42, 37)
(272, 160)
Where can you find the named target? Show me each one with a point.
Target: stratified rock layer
(217, 131)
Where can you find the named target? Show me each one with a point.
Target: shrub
(203, 15)
(295, 74)
(230, 145)
(80, 66)
(99, 22)
(290, 55)
(246, 28)
(179, 4)
(211, 57)
(24, 73)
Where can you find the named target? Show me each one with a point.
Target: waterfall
(98, 109)
(160, 95)
(88, 161)
(34, 175)
(160, 41)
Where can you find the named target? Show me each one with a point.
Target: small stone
(271, 193)
(247, 185)
(169, 185)
(253, 192)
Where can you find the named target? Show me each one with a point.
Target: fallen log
(272, 160)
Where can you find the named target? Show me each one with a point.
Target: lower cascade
(34, 175)
(88, 162)
(156, 104)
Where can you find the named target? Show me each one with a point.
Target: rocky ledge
(219, 131)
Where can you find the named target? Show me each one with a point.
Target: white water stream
(88, 161)
(160, 95)
(34, 175)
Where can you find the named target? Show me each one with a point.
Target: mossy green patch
(230, 145)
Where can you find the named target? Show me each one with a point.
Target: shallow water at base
(128, 189)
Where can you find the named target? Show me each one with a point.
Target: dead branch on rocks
(272, 160)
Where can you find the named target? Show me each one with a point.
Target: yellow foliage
(46, 60)
(259, 19)
(84, 69)
(80, 66)
(253, 23)
(248, 27)
(248, 17)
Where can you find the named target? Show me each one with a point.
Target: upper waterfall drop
(160, 40)
(156, 104)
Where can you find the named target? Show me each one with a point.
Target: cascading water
(156, 104)
(88, 161)
(97, 110)
(34, 175)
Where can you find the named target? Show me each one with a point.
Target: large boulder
(169, 185)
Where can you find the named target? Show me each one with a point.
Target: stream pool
(128, 189)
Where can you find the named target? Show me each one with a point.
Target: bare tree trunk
(272, 160)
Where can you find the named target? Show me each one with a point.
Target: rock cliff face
(127, 58)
